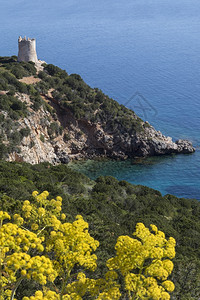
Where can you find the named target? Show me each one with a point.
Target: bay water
(144, 54)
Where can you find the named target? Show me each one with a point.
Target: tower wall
(27, 50)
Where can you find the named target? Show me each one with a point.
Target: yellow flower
(41, 211)
(58, 198)
(63, 216)
(4, 215)
(35, 193)
(34, 226)
(23, 272)
(154, 228)
(168, 285)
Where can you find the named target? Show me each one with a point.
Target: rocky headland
(60, 118)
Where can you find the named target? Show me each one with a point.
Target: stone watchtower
(27, 50)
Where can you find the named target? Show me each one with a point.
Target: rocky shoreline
(148, 143)
(88, 140)
(51, 116)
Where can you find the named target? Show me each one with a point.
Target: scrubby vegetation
(70, 91)
(112, 208)
(19, 70)
(72, 95)
(39, 246)
(12, 108)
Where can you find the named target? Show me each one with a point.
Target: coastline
(163, 173)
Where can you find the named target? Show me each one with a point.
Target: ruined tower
(27, 50)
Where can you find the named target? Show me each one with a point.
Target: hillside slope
(48, 115)
(112, 208)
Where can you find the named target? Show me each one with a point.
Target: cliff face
(58, 118)
(82, 139)
(40, 145)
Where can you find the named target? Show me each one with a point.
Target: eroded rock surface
(82, 139)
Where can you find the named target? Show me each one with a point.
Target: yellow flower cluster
(39, 268)
(39, 295)
(105, 288)
(42, 212)
(3, 215)
(18, 219)
(142, 260)
(80, 287)
(72, 244)
(6, 294)
(50, 295)
(15, 243)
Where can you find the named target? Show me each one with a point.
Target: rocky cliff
(57, 117)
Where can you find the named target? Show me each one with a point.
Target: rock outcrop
(48, 115)
(81, 139)
(148, 142)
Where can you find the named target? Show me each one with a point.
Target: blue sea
(127, 47)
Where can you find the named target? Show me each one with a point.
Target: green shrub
(66, 137)
(42, 138)
(25, 131)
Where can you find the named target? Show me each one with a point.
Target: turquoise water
(169, 174)
(122, 47)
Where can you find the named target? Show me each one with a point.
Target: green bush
(25, 131)
(113, 208)
(42, 138)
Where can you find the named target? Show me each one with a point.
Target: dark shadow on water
(142, 161)
(158, 172)
(98, 167)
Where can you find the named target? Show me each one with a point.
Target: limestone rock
(184, 146)
(82, 139)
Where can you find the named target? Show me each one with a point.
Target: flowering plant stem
(15, 288)
(64, 285)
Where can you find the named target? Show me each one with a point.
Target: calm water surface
(122, 47)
